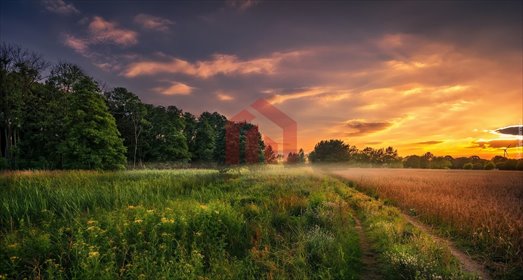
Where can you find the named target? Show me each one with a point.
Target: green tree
(189, 130)
(164, 138)
(426, 159)
(92, 140)
(205, 141)
(20, 71)
(129, 112)
(440, 163)
(490, 165)
(331, 151)
(296, 158)
(412, 161)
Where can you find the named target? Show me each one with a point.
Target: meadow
(201, 224)
(481, 210)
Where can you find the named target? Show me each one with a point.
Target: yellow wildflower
(138, 221)
(167, 221)
(94, 254)
(91, 222)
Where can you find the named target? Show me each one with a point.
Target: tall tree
(205, 141)
(164, 138)
(19, 71)
(129, 112)
(92, 140)
(189, 130)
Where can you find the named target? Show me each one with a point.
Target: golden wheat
(482, 209)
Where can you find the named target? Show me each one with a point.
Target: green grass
(199, 224)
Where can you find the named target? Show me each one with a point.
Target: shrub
(490, 165)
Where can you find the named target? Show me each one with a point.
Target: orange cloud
(322, 94)
(361, 127)
(499, 143)
(152, 22)
(219, 64)
(102, 30)
(78, 45)
(223, 96)
(175, 88)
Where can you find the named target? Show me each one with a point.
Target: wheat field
(482, 210)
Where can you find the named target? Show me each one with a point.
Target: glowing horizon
(438, 77)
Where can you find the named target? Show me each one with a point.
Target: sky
(444, 77)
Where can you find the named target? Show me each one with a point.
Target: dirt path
(466, 261)
(368, 257)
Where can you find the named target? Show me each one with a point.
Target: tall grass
(483, 210)
(174, 225)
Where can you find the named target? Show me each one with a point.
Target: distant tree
(390, 156)
(468, 165)
(459, 163)
(440, 163)
(164, 138)
(242, 144)
(519, 165)
(477, 166)
(296, 158)
(412, 161)
(490, 165)
(270, 155)
(301, 156)
(205, 141)
(426, 159)
(189, 131)
(44, 128)
(20, 71)
(129, 112)
(92, 140)
(331, 151)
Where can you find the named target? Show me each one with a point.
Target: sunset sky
(419, 76)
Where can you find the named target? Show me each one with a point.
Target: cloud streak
(219, 64)
(60, 7)
(153, 23)
(360, 127)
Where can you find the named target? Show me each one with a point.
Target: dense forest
(65, 120)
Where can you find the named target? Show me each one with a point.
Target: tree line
(337, 151)
(66, 121)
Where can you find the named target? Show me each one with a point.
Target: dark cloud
(362, 128)
(428, 142)
(499, 143)
(511, 130)
(373, 143)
